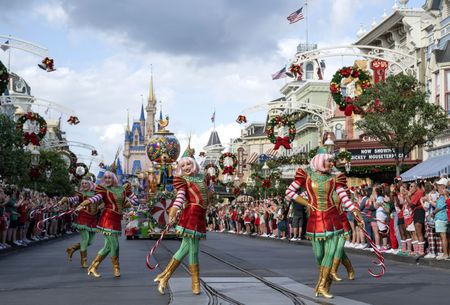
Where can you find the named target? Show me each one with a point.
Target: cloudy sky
(206, 55)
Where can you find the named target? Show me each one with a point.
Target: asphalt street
(271, 272)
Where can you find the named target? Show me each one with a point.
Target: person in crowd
(298, 217)
(440, 216)
(433, 238)
(416, 192)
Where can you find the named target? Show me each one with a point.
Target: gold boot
(92, 270)
(71, 250)
(116, 266)
(348, 265)
(83, 258)
(195, 278)
(167, 273)
(323, 283)
(334, 270)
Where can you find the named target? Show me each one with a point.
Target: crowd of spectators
(20, 212)
(402, 218)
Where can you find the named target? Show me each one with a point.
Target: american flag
(5, 45)
(280, 74)
(213, 117)
(295, 16)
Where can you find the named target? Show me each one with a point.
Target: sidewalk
(14, 249)
(414, 260)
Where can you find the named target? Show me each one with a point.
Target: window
(309, 70)
(447, 91)
(136, 139)
(437, 87)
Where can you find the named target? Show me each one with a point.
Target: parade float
(150, 218)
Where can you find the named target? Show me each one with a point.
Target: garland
(281, 141)
(346, 104)
(4, 78)
(72, 160)
(85, 168)
(228, 169)
(31, 137)
(374, 169)
(313, 152)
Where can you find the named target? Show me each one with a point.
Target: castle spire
(128, 121)
(151, 94)
(142, 118)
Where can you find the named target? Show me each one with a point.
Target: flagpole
(214, 119)
(306, 17)
(9, 56)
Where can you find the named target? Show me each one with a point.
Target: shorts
(411, 227)
(13, 224)
(419, 216)
(297, 221)
(440, 226)
(384, 233)
(282, 225)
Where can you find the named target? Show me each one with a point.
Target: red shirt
(415, 198)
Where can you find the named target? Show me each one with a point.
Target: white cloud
(53, 12)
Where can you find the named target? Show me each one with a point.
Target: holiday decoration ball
(163, 144)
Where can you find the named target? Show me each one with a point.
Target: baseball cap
(442, 181)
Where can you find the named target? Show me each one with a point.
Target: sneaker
(361, 246)
(430, 255)
(283, 237)
(441, 257)
(347, 244)
(384, 249)
(293, 239)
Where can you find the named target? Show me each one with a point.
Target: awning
(433, 167)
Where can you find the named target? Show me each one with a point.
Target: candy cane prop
(149, 256)
(39, 224)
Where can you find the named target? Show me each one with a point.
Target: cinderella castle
(137, 137)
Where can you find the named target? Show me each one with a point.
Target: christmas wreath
(4, 78)
(277, 140)
(81, 170)
(362, 82)
(216, 171)
(228, 169)
(32, 137)
(344, 156)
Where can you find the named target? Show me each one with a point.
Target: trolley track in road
(295, 297)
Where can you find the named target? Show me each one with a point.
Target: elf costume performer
(85, 222)
(192, 191)
(115, 198)
(324, 227)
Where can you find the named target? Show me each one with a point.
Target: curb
(412, 260)
(17, 249)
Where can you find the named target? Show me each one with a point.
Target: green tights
(324, 250)
(86, 239)
(188, 245)
(339, 253)
(111, 245)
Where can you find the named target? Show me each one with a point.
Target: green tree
(13, 159)
(53, 178)
(397, 113)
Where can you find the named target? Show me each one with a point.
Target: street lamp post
(35, 157)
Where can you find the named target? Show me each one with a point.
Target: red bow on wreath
(30, 138)
(282, 141)
(236, 191)
(266, 183)
(228, 170)
(73, 120)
